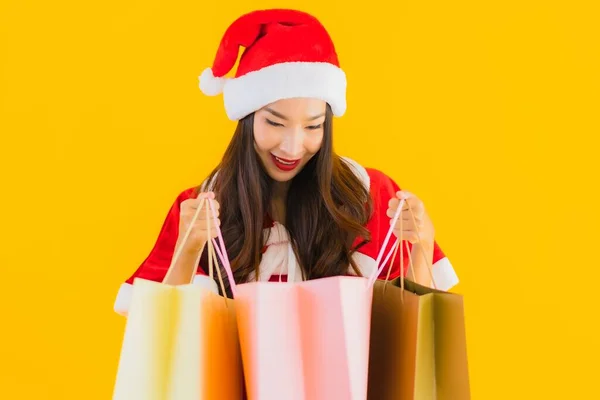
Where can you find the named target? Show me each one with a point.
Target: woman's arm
(184, 269)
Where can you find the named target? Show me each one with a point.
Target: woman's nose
(293, 143)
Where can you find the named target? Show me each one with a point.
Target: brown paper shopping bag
(418, 344)
(180, 343)
(418, 341)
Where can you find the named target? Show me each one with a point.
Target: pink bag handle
(223, 256)
(394, 250)
(379, 264)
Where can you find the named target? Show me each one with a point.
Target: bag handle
(399, 244)
(213, 246)
(179, 250)
(394, 250)
(212, 258)
(223, 256)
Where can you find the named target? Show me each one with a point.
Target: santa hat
(287, 54)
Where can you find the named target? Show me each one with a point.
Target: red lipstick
(284, 164)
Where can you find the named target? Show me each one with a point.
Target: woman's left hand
(421, 233)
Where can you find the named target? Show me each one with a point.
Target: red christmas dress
(278, 261)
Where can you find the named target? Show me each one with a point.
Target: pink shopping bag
(306, 340)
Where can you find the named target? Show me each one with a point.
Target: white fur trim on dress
(123, 300)
(256, 89)
(444, 275)
(359, 171)
(366, 265)
(206, 282)
(279, 258)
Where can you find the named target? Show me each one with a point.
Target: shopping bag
(418, 344)
(418, 341)
(305, 340)
(180, 342)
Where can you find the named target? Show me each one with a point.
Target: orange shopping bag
(180, 342)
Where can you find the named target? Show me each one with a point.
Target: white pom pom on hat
(287, 54)
(209, 84)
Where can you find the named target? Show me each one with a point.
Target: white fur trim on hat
(250, 92)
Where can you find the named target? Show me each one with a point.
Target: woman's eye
(273, 123)
(313, 127)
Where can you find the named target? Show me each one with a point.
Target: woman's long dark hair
(327, 208)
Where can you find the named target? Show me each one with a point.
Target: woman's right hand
(199, 234)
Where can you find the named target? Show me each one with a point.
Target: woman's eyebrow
(316, 117)
(275, 113)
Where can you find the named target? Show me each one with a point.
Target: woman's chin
(281, 176)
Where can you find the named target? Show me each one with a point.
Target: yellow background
(487, 110)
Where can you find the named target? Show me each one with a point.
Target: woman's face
(287, 134)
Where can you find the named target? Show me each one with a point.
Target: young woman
(289, 208)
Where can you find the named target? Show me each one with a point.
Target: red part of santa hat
(288, 53)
